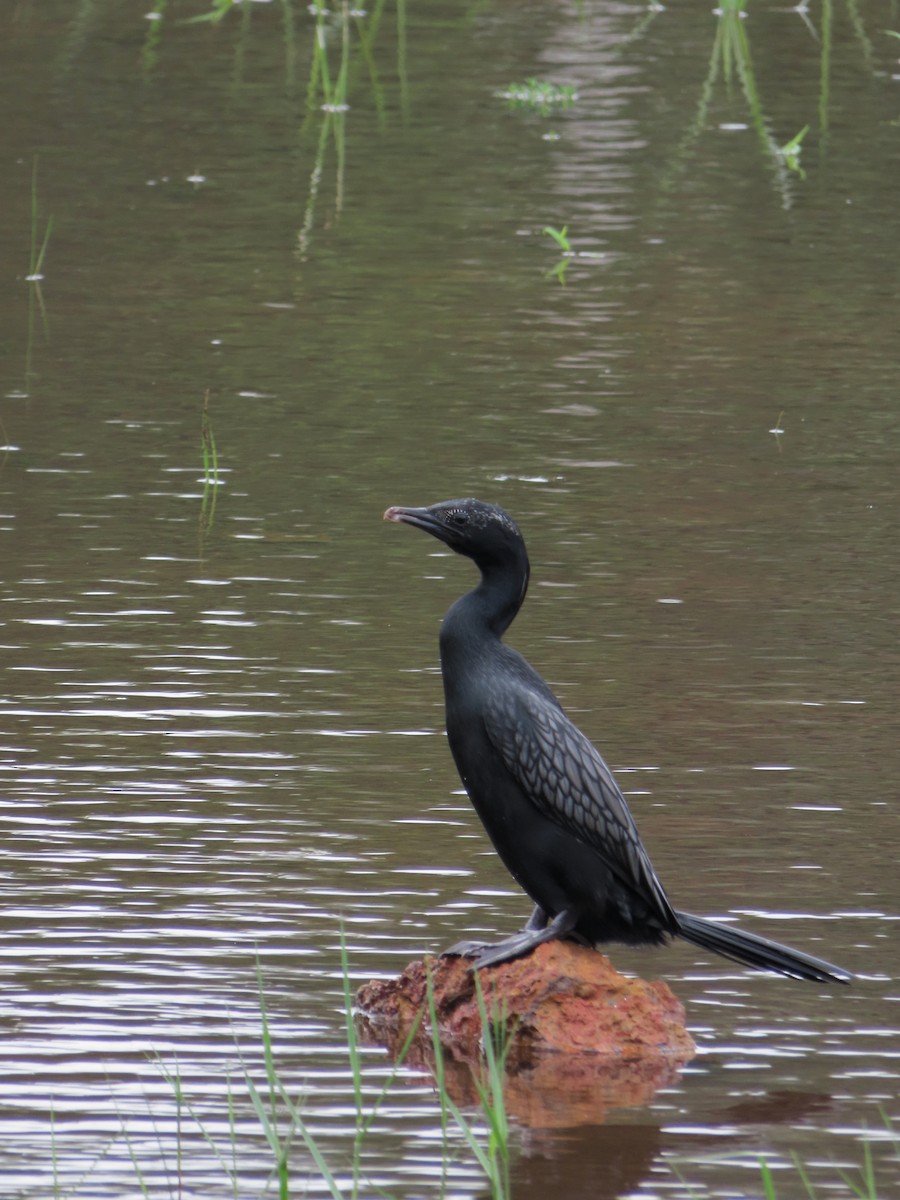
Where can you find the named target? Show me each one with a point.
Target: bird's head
(483, 532)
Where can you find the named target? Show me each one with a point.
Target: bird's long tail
(755, 951)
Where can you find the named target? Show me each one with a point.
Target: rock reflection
(555, 1093)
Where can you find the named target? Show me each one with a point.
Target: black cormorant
(547, 799)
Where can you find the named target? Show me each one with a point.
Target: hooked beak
(421, 518)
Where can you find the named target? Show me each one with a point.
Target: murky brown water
(217, 744)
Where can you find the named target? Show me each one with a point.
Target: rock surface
(561, 997)
(583, 1037)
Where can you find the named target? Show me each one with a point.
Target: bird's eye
(458, 518)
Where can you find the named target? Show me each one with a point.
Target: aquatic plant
(493, 1155)
(342, 41)
(486, 1134)
(539, 95)
(155, 18)
(790, 152)
(281, 1117)
(220, 9)
(282, 1121)
(210, 469)
(38, 253)
(560, 236)
(730, 60)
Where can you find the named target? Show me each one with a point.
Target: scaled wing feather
(562, 773)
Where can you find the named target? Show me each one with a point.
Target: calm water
(221, 736)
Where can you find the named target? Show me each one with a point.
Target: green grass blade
(447, 1104)
(355, 1062)
(804, 1177)
(340, 90)
(299, 1125)
(352, 1043)
(42, 253)
(496, 1041)
(264, 1116)
(219, 10)
(438, 1051)
(867, 1189)
(398, 1063)
(768, 1182)
(37, 256)
(232, 1135)
(174, 1082)
(559, 236)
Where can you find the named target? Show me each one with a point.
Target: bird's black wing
(563, 774)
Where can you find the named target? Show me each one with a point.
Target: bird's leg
(465, 949)
(522, 943)
(537, 920)
(537, 931)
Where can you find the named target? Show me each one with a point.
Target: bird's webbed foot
(536, 932)
(471, 949)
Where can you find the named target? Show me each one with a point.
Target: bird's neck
(484, 614)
